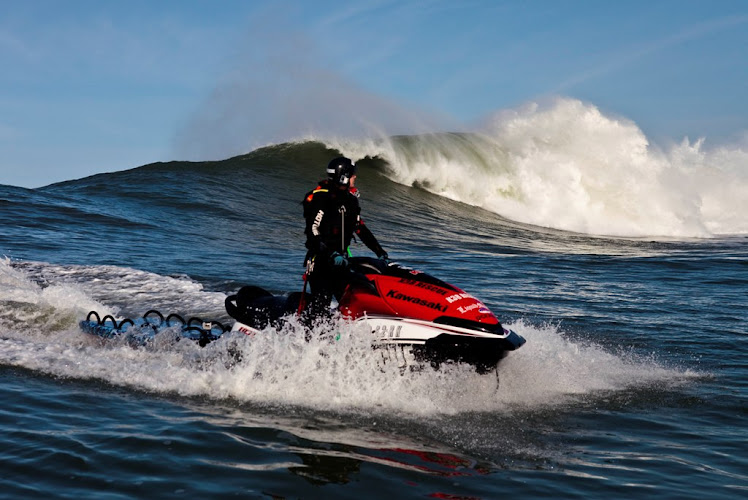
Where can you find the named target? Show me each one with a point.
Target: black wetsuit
(332, 216)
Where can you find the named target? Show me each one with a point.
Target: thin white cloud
(350, 12)
(619, 61)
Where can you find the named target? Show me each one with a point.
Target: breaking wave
(568, 166)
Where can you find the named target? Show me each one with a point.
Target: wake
(334, 370)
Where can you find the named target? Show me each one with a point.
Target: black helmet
(340, 170)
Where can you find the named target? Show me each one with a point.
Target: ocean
(624, 266)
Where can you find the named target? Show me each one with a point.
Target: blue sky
(99, 86)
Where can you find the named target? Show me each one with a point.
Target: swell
(566, 166)
(218, 205)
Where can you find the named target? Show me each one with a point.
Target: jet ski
(414, 317)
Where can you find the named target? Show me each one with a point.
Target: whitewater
(291, 369)
(566, 165)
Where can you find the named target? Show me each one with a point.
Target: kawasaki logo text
(417, 301)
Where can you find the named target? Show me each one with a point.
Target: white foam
(27, 304)
(335, 370)
(569, 166)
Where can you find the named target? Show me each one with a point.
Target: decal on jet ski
(459, 296)
(427, 286)
(416, 300)
(477, 305)
(244, 329)
(388, 331)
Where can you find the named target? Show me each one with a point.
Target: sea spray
(569, 166)
(331, 368)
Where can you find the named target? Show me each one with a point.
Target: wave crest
(569, 166)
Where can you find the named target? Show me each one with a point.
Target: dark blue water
(633, 381)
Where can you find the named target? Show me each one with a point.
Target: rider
(332, 216)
